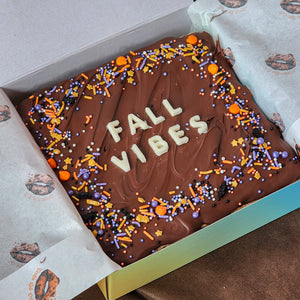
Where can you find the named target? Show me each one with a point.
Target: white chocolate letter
(178, 135)
(114, 130)
(196, 123)
(135, 122)
(139, 154)
(121, 163)
(155, 120)
(158, 145)
(173, 112)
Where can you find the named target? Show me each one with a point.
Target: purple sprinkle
(121, 234)
(154, 203)
(203, 64)
(181, 209)
(97, 195)
(195, 215)
(96, 153)
(284, 154)
(100, 232)
(101, 183)
(260, 141)
(143, 63)
(234, 168)
(254, 155)
(268, 155)
(136, 223)
(275, 154)
(117, 244)
(70, 192)
(163, 217)
(249, 163)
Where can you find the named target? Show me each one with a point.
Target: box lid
(37, 34)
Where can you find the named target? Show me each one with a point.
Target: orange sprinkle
(106, 193)
(107, 92)
(36, 100)
(138, 60)
(229, 162)
(192, 39)
(250, 170)
(132, 53)
(175, 207)
(125, 67)
(121, 60)
(213, 69)
(125, 239)
(161, 210)
(84, 76)
(75, 176)
(192, 191)
(234, 108)
(148, 235)
(158, 200)
(64, 175)
(129, 60)
(52, 163)
(148, 214)
(77, 163)
(191, 204)
(144, 206)
(242, 151)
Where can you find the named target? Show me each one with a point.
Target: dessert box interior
(169, 19)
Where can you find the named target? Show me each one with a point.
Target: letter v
(121, 163)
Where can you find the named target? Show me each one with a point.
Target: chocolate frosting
(240, 158)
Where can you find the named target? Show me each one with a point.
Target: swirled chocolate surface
(137, 199)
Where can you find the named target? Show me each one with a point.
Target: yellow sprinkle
(61, 109)
(74, 188)
(219, 79)
(206, 172)
(94, 90)
(88, 97)
(257, 175)
(141, 200)
(32, 121)
(108, 205)
(189, 54)
(52, 144)
(203, 53)
(95, 232)
(258, 164)
(121, 225)
(171, 192)
(75, 198)
(130, 227)
(128, 232)
(194, 58)
(244, 160)
(81, 187)
(75, 94)
(124, 246)
(92, 202)
(105, 167)
(242, 151)
(99, 220)
(110, 214)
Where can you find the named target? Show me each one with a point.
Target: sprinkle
(144, 206)
(101, 183)
(92, 202)
(192, 191)
(148, 235)
(107, 92)
(125, 239)
(101, 222)
(32, 121)
(250, 170)
(128, 232)
(82, 185)
(171, 192)
(141, 200)
(75, 198)
(136, 223)
(88, 97)
(229, 162)
(106, 193)
(84, 76)
(191, 204)
(117, 244)
(206, 172)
